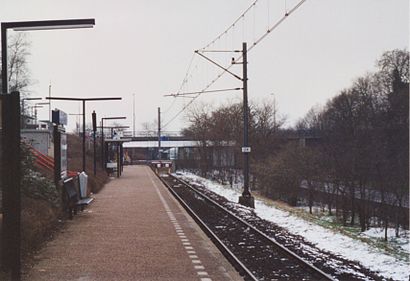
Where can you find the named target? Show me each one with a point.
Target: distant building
(39, 139)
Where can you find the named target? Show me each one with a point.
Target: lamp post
(83, 100)
(159, 133)
(133, 115)
(33, 26)
(23, 110)
(34, 112)
(77, 122)
(102, 137)
(38, 105)
(11, 173)
(94, 119)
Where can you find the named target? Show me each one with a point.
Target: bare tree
(150, 129)
(18, 75)
(199, 129)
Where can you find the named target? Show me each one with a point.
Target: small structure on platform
(161, 166)
(114, 153)
(40, 139)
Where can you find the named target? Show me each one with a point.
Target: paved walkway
(134, 230)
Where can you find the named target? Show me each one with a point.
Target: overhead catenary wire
(231, 26)
(287, 14)
(268, 9)
(273, 27)
(202, 92)
(256, 42)
(187, 73)
(184, 81)
(169, 107)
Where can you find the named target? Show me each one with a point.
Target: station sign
(246, 149)
(59, 117)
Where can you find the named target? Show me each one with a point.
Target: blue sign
(59, 117)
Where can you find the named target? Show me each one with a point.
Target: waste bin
(83, 184)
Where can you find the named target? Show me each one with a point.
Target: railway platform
(135, 230)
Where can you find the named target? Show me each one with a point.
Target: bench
(73, 197)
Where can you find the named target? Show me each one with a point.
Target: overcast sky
(144, 47)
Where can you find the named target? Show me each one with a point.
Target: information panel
(63, 155)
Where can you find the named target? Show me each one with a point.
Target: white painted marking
(200, 267)
(181, 234)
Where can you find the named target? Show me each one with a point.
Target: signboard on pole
(59, 117)
(63, 155)
(246, 149)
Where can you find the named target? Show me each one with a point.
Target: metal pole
(10, 171)
(35, 115)
(4, 82)
(22, 112)
(11, 175)
(246, 198)
(102, 143)
(121, 159)
(245, 121)
(118, 159)
(95, 157)
(159, 133)
(94, 119)
(133, 115)
(57, 155)
(84, 135)
(49, 103)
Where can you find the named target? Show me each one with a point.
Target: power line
(287, 13)
(187, 72)
(231, 26)
(202, 92)
(226, 69)
(184, 81)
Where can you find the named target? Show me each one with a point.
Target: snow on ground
(328, 240)
(378, 232)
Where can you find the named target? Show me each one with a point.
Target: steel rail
(242, 269)
(286, 250)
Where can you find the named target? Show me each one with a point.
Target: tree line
(351, 154)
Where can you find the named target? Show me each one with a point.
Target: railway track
(255, 255)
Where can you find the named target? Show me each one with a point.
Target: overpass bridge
(175, 148)
(163, 138)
